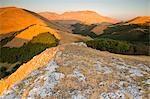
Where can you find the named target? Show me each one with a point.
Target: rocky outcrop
(78, 72)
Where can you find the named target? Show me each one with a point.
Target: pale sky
(120, 9)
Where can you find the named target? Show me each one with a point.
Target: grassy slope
(14, 19)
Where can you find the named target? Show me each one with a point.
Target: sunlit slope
(28, 34)
(13, 19)
(139, 20)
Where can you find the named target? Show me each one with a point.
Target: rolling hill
(13, 19)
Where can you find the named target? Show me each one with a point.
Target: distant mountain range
(85, 17)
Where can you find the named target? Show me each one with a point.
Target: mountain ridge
(88, 17)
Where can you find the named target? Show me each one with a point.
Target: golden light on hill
(140, 20)
(13, 19)
(86, 17)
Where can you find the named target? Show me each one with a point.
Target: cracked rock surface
(78, 72)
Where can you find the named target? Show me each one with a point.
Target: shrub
(121, 47)
(109, 45)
